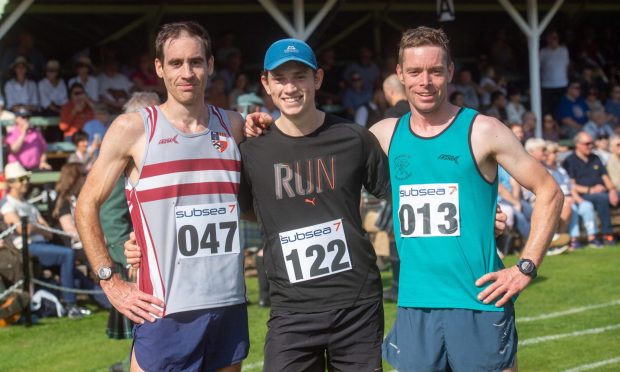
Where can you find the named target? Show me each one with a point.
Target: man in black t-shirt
(305, 176)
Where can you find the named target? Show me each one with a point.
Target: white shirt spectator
(91, 86)
(17, 94)
(515, 113)
(485, 97)
(52, 94)
(116, 82)
(553, 67)
(22, 208)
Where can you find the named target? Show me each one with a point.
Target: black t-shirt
(306, 194)
(399, 109)
(588, 173)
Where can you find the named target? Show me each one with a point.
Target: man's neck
(186, 118)
(16, 194)
(301, 126)
(428, 124)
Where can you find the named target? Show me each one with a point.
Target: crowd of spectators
(580, 100)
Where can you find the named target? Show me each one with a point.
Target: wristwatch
(527, 267)
(104, 273)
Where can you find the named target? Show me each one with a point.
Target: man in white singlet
(182, 168)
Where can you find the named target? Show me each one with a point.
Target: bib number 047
(207, 230)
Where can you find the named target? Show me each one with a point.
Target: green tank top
(444, 215)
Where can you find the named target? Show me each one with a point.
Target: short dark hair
(174, 30)
(423, 36)
(79, 136)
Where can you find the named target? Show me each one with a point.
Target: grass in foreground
(571, 281)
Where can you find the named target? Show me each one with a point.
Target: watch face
(527, 266)
(105, 273)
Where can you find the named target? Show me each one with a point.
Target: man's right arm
(123, 142)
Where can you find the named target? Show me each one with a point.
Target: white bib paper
(315, 251)
(429, 210)
(207, 229)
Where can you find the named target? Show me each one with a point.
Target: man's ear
(318, 78)
(159, 70)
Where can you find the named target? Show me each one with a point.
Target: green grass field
(569, 318)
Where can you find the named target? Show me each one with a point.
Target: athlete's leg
(356, 335)
(134, 367)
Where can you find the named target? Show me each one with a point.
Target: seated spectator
(514, 107)
(372, 112)
(355, 96)
(509, 198)
(67, 190)
(529, 125)
(20, 91)
(612, 106)
(457, 99)
(248, 103)
(498, 107)
(601, 147)
(242, 86)
(575, 206)
(598, 124)
(26, 143)
(114, 87)
(395, 96)
(466, 85)
(572, 111)
(536, 147)
(366, 69)
(95, 129)
(52, 89)
(145, 79)
(550, 128)
(488, 85)
(591, 182)
(216, 92)
(613, 164)
(84, 154)
(592, 99)
(84, 69)
(75, 113)
(48, 254)
(331, 87)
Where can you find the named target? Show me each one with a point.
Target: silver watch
(104, 273)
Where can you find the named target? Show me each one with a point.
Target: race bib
(315, 251)
(429, 210)
(207, 229)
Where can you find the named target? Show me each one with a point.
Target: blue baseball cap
(286, 50)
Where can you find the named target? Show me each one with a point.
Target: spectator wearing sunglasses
(75, 113)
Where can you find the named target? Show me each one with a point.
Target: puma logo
(311, 201)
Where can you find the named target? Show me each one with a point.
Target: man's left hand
(613, 197)
(505, 284)
(500, 221)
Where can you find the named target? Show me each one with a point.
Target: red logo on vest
(168, 140)
(219, 141)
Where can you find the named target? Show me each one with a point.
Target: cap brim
(281, 61)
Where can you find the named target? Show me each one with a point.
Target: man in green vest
(455, 303)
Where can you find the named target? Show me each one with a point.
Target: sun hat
(14, 171)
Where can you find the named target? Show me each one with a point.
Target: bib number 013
(207, 230)
(315, 251)
(429, 210)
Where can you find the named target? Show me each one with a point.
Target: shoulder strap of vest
(222, 117)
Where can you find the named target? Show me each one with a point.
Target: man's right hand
(132, 251)
(256, 122)
(131, 302)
